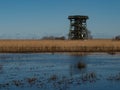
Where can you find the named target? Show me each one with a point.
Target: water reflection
(77, 68)
(1, 68)
(79, 53)
(78, 64)
(56, 72)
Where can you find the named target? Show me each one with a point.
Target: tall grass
(35, 46)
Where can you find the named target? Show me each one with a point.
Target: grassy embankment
(38, 46)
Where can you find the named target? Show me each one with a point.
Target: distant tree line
(89, 35)
(117, 37)
(53, 38)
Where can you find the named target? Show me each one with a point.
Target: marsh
(59, 71)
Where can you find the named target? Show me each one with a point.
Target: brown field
(38, 46)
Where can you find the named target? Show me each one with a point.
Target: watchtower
(78, 27)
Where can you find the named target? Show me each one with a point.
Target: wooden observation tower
(78, 27)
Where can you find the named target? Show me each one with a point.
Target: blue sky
(38, 18)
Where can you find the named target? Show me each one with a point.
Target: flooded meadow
(59, 71)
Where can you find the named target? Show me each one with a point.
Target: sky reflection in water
(59, 72)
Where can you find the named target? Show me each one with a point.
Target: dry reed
(37, 46)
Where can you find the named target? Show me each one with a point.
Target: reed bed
(38, 46)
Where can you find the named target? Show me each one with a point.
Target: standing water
(59, 72)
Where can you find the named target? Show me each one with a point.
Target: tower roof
(78, 17)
